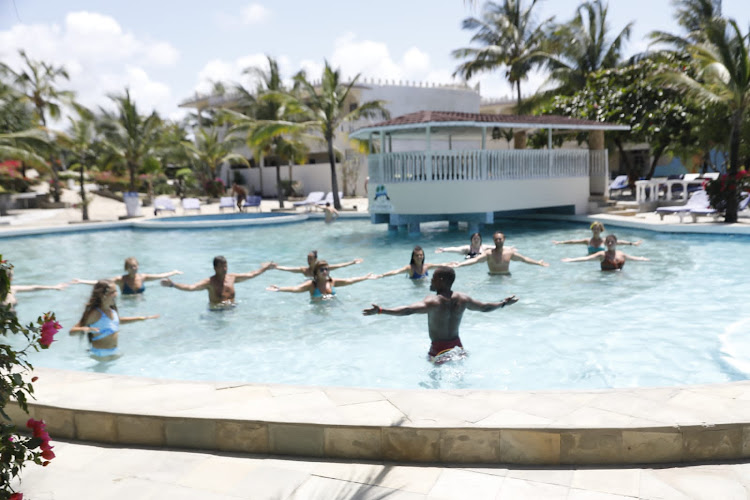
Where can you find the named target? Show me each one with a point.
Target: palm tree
(210, 151)
(81, 141)
(723, 63)
(23, 146)
(509, 35)
(325, 107)
(581, 47)
(130, 137)
(37, 85)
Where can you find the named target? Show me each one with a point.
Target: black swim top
(126, 290)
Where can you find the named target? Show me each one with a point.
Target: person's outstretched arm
(300, 270)
(116, 280)
(132, 319)
(351, 281)
(151, 277)
(252, 274)
(593, 256)
(201, 285)
(475, 260)
(400, 270)
(631, 243)
(633, 257)
(462, 249)
(517, 256)
(416, 308)
(571, 242)
(344, 264)
(304, 287)
(475, 305)
(34, 288)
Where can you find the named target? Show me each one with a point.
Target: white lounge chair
(712, 212)
(164, 205)
(312, 198)
(226, 202)
(329, 198)
(697, 201)
(191, 204)
(620, 183)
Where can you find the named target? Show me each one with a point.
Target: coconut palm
(130, 137)
(509, 36)
(210, 150)
(36, 84)
(723, 63)
(80, 141)
(326, 107)
(581, 47)
(25, 146)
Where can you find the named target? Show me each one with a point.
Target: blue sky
(166, 51)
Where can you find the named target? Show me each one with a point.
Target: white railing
(479, 165)
(653, 190)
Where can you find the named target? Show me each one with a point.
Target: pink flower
(48, 454)
(16, 496)
(49, 329)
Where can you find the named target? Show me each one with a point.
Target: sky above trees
(164, 51)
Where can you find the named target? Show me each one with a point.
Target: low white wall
(482, 196)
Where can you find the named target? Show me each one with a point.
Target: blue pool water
(221, 217)
(679, 319)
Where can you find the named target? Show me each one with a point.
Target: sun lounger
(164, 205)
(329, 198)
(697, 201)
(226, 202)
(619, 184)
(253, 201)
(191, 204)
(312, 198)
(712, 212)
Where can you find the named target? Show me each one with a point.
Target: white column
(381, 156)
(549, 152)
(483, 153)
(428, 155)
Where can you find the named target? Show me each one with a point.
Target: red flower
(48, 454)
(34, 379)
(16, 496)
(49, 329)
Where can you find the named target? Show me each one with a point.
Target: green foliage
(727, 186)
(17, 451)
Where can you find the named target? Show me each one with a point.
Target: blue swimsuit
(416, 276)
(596, 249)
(126, 290)
(316, 293)
(107, 326)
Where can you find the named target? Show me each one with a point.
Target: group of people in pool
(100, 319)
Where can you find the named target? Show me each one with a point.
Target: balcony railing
(481, 165)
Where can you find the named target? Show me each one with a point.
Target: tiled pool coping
(622, 426)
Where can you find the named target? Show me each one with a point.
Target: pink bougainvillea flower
(48, 454)
(49, 329)
(16, 496)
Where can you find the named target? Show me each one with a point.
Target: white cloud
(100, 57)
(254, 13)
(232, 72)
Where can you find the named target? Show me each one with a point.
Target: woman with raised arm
(473, 249)
(417, 268)
(10, 299)
(131, 283)
(611, 259)
(322, 285)
(312, 258)
(595, 243)
(101, 321)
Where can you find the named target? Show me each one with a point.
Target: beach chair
(252, 201)
(226, 202)
(697, 201)
(164, 205)
(191, 204)
(619, 184)
(312, 198)
(712, 212)
(329, 198)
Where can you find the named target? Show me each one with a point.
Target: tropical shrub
(17, 451)
(719, 190)
(12, 179)
(214, 188)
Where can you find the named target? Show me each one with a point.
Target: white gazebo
(435, 165)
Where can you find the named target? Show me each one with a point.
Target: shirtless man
(444, 311)
(611, 259)
(240, 194)
(220, 286)
(498, 258)
(331, 213)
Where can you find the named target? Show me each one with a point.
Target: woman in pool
(101, 321)
(595, 243)
(474, 249)
(312, 258)
(321, 285)
(10, 299)
(416, 269)
(131, 283)
(611, 259)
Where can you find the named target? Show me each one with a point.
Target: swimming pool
(676, 320)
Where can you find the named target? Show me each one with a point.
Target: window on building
(353, 106)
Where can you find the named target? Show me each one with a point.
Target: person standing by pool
(312, 258)
(131, 283)
(10, 299)
(473, 249)
(416, 269)
(240, 193)
(498, 258)
(101, 321)
(595, 243)
(444, 311)
(321, 285)
(611, 259)
(220, 286)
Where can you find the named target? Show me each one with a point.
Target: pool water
(679, 319)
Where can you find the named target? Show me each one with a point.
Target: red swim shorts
(439, 346)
